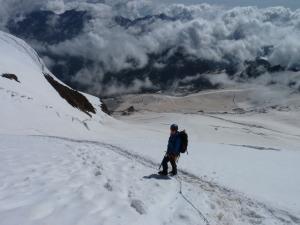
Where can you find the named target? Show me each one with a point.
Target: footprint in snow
(212, 206)
(97, 173)
(99, 167)
(183, 217)
(138, 205)
(108, 186)
(130, 194)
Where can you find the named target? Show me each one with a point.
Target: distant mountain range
(109, 54)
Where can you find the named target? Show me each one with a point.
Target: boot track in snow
(253, 210)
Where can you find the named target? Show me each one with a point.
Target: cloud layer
(124, 36)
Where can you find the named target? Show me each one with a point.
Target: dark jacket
(174, 144)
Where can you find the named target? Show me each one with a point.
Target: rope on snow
(190, 203)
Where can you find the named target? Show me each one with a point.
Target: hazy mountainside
(113, 47)
(29, 90)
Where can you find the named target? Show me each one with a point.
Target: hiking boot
(163, 173)
(173, 173)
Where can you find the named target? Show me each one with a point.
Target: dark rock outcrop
(125, 22)
(259, 66)
(128, 111)
(74, 98)
(105, 109)
(11, 76)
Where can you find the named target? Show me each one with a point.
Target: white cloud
(203, 31)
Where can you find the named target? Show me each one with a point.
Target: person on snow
(173, 151)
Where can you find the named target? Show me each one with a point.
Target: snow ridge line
(188, 177)
(25, 48)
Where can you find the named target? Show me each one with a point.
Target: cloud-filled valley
(115, 47)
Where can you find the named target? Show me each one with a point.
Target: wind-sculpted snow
(132, 46)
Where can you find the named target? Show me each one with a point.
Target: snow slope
(48, 180)
(255, 154)
(33, 104)
(59, 165)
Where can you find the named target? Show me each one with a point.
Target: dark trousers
(172, 160)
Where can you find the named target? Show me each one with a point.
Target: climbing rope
(190, 203)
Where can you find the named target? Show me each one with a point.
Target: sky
(293, 4)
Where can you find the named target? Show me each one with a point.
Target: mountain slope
(63, 161)
(37, 94)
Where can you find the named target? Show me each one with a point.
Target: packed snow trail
(52, 180)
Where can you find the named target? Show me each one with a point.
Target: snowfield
(47, 180)
(58, 165)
